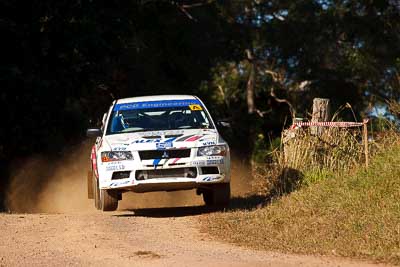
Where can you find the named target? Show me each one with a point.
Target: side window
(104, 120)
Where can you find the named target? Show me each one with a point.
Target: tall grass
(335, 149)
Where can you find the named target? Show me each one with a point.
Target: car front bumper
(164, 174)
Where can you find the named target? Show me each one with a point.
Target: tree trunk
(250, 84)
(321, 112)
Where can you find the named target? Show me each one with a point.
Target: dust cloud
(47, 185)
(241, 177)
(42, 184)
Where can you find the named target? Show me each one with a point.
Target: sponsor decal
(119, 148)
(116, 183)
(215, 157)
(160, 133)
(211, 179)
(210, 160)
(157, 104)
(215, 161)
(175, 161)
(114, 163)
(183, 138)
(199, 162)
(164, 145)
(195, 107)
(156, 162)
(208, 143)
(142, 141)
(167, 143)
(115, 167)
(193, 138)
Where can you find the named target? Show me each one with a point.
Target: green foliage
(264, 148)
(314, 176)
(260, 150)
(381, 124)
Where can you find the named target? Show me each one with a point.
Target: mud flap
(90, 185)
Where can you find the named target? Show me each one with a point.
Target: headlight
(212, 151)
(107, 156)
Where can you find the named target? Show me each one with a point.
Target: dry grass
(353, 215)
(394, 107)
(335, 149)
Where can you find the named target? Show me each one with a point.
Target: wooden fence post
(321, 112)
(365, 141)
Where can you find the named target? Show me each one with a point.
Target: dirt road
(142, 237)
(54, 224)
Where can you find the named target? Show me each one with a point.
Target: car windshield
(158, 115)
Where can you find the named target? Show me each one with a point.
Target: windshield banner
(157, 104)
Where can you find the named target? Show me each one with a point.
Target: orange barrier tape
(342, 124)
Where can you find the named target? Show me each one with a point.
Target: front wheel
(108, 200)
(217, 195)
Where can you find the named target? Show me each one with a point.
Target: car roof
(154, 98)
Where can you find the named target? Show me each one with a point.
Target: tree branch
(198, 4)
(184, 7)
(283, 100)
(184, 11)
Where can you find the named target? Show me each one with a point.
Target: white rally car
(158, 143)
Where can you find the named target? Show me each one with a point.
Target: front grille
(209, 170)
(164, 173)
(164, 154)
(120, 175)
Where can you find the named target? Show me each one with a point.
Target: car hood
(159, 140)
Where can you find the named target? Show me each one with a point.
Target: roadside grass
(355, 215)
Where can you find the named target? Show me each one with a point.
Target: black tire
(96, 192)
(208, 197)
(90, 185)
(108, 200)
(217, 195)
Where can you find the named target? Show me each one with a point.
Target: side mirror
(94, 132)
(223, 123)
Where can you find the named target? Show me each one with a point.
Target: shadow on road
(237, 203)
(166, 212)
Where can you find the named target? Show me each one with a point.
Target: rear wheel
(108, 200)
(217, 195)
